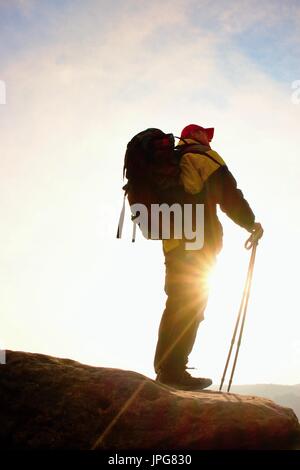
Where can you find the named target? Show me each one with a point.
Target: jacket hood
(201, 147)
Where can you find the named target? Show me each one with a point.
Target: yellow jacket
(206, 174)
(197, 168)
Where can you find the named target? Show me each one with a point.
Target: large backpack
(151, 166)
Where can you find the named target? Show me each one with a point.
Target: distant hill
(285, 395)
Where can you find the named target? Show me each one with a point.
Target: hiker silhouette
(205, 174)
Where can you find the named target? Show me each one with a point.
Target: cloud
(25, 7)
(238, 17)
(74, 99)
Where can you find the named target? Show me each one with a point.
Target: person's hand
(256, 233)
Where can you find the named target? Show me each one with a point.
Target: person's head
(199, 133)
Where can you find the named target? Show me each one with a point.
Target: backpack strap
(212, 158)
(193, 149)
(121, 218)
(133, 231)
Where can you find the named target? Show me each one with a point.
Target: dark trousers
(187, 294)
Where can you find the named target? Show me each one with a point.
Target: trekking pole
(251, 242)
(244, 315)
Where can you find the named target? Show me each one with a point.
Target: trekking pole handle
(256, 234)
(250, 243)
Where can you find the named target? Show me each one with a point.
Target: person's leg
(187, 291)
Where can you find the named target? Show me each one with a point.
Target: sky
(77, 80)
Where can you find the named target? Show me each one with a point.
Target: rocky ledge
(52, 403)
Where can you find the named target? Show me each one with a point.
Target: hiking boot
(182, 380)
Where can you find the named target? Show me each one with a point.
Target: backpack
(151, 166)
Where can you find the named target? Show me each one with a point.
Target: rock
(51, 403)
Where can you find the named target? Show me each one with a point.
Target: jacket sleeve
(231, 199)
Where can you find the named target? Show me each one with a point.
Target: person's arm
(232, 201)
